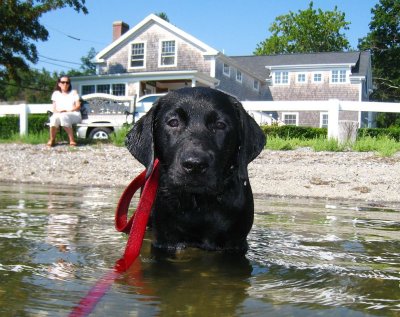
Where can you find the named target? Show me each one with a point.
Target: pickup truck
(103, 114)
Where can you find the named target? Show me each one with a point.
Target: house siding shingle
(241, 90)
(188, 56)
(314, 91)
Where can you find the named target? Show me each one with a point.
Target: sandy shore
(301, 173)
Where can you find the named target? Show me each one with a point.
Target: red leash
(136, 227)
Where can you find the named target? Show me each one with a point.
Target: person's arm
(77, 106)
(53, 99)
(77, 103)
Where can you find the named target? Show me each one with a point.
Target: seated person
(66, 106)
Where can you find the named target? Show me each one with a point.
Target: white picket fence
(333, 107)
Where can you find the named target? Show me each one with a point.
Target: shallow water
(306, 258)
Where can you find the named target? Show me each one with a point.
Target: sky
(233, 27)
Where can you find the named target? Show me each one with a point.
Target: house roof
(152, 18)
(262, 65)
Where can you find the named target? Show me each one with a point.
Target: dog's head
(200, 135)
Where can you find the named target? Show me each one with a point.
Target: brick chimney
(119, 28)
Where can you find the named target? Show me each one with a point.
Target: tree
(383, 41)
(87, 67)
(34, 86)
(163, 16)
(20, 27)
(307, 31)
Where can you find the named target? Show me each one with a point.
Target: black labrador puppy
(204, 140)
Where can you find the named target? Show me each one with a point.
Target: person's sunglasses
(64, 82)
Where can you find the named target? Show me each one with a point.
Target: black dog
(204, 140)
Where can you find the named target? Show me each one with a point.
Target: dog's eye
(220, 125)
(173, 123)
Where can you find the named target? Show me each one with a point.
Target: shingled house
(155, 56)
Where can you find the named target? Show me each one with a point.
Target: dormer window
(226, 70)
(338, 76)
(301, 78)
(317, 78)
(256, 85)
(238, 76)
(137, 55)
(168, 53)
(281, 78)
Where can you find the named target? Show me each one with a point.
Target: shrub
(9, 125)
(392, 133)
(118, 138)
(290, 131)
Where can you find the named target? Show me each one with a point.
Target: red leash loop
(136, 227)
(137, 224)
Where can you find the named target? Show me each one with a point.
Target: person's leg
(70, 133)
(54, 124)
(67, 120)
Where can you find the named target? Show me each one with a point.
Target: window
(281, 78)
(301, 78)
(168, 53)
(256, 85)
(238, 75)
(226, 70)
(137, 55)
(323, 122)
(118, 89)
(88, 89)
(317, 78)
(105, 89)
(290, 118)
(338, 76)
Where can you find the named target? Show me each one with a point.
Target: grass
(30, 138)
(383, 146)
(118, 138)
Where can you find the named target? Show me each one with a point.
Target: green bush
(9, 125)
(293, 132)
(392, 133)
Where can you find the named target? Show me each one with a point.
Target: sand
(300, 173)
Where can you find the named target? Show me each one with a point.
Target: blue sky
(234, 27)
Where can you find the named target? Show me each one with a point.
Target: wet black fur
(204, 140)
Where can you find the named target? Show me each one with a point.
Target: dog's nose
(195, 165)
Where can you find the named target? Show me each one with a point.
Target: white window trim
(130, 55)
(291, 113)
(160, 51)
(281, 83)
(82, 87)
(104, 84)
(228, 74)
(239, 80)
(122, 84)
(321, 115)
(305, 78)
(317, 82)
(339, 82)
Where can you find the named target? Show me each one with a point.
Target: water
(306, 258)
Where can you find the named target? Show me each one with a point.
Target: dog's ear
(140, 142)
(251, 139)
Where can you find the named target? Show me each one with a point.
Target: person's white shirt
(64, 102)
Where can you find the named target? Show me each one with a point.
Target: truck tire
(100, 134)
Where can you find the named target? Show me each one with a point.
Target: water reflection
(306, 258)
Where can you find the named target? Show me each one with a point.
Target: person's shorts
(65, 119)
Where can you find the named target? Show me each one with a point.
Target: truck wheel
(100, 134)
